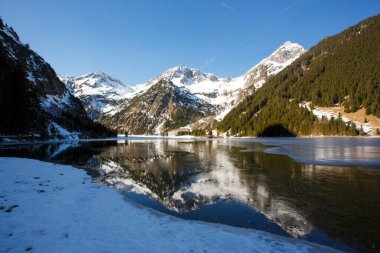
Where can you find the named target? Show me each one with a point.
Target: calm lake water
(323, 190)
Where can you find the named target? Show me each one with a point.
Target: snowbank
(54, 208)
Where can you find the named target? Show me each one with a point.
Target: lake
(324, 190)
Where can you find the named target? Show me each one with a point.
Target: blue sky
(136, 40)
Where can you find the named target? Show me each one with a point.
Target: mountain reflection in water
(314, 202)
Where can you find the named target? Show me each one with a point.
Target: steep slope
(99, 92)
(340, 70)
(255, 78)
(273, 64)
(33, 101)
(215, 96)
(162, 107)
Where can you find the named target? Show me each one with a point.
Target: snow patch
(56, 130)
(52, 102)
(321, 112)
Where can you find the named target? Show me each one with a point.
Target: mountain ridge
(99, 92)
(218, 94)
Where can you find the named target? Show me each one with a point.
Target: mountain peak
(287, 51)
(95, 79)
(98, 73)
(99, 77)
(277, 61)
(290, 44)
(181, 69)
(94, 74)
(187, 75)
(100, 93)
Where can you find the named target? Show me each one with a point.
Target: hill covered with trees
(340, 69)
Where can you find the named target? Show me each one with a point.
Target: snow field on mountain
(108, 95)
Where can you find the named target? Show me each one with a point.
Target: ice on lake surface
(328, 151)
(323, 190)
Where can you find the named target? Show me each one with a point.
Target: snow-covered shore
(46, 207)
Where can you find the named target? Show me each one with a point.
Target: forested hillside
(341, 69)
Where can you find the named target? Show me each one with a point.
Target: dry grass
(358, 117)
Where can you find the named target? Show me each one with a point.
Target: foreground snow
(54, 208)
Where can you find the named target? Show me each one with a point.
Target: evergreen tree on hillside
(341, 69)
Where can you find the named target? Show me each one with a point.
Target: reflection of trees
(337, 200)
(293, 195)
(184, 175)
(268, 176)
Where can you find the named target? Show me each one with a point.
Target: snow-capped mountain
(209, 88)
(224, 93)
(218, 95)
(34, 102)
(162, 106)
(100, 93)
(153, 108)
(205, 86)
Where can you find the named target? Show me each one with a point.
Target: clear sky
(136, 40)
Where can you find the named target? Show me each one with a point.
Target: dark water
(322, 190)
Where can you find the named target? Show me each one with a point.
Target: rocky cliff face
(161, 107)
(33, 101)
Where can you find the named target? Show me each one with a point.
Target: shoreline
(185, 137)
(270, 147)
